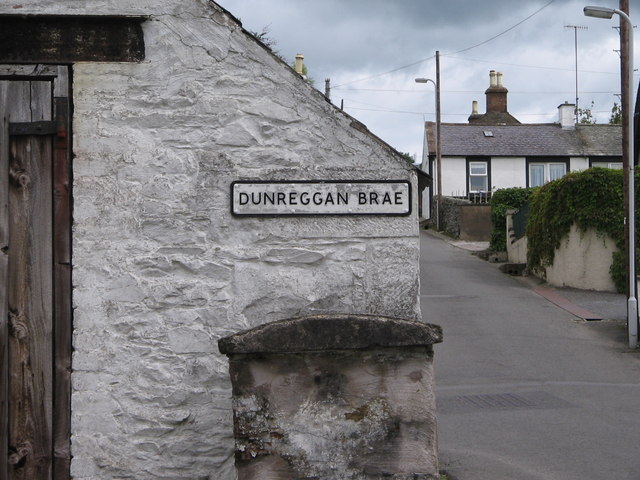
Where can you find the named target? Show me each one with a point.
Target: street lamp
(632, 302)
(438, 156)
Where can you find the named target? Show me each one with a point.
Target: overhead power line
(454, 53)
(384, 73)
(501, 33)
(517, 114)
(467, 92)
(539, 67)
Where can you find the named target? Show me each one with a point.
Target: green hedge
(501, 201)
(591, 198)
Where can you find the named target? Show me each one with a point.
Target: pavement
(606, 306)
(527, 390)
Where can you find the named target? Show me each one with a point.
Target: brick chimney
(496, 94)
(496, 113)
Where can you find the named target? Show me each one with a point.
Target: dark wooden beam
(62, 307)
(68, 39)
(33, 128)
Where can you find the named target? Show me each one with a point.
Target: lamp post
(632, 302)
(438, 156)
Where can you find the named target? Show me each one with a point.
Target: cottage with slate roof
(494, 150)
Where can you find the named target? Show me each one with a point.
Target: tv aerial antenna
(575, 36)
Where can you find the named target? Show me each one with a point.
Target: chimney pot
(492, 78)
(499, 75)
(299, 63)
(474, 107)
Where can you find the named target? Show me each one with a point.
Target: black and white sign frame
(396, 195)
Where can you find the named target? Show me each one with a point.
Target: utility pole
(327, 88)
(626, 67)
(438, 146)
(575, 33)
(624, 102)
(628, 161)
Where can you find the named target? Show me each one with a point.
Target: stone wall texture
(450, 215)
(161, 270)
(334, 397)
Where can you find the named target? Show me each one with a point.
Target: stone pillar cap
(331, 332)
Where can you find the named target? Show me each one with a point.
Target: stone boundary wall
(450, 215)
(583, 261)
(465, 220)
(335, 397)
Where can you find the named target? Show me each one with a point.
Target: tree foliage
(585, 116)
(616, 114)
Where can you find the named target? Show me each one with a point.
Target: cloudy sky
(372, 50)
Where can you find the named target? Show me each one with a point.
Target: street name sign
(357, 197)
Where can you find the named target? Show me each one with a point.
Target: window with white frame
(543, 172)
(478, 177)
(614, 165)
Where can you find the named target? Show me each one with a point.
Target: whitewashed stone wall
(161, 269)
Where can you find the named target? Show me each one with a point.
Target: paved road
(525, 390)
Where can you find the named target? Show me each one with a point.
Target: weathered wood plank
(19, 98)
(61, 82)
(72, 38)
(4, 277)
(62, 292)
(30, 308)
(35, 350)
(41, 100)
(20, 72)
(14, 105)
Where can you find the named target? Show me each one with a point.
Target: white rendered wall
(583, 261)
(508, 172)
(161, 269)
(454, 176)
(577, 164)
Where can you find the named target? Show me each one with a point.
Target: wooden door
(35, 288)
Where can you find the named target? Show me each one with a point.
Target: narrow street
(526, 391)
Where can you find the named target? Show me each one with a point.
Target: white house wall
(162, 270)
(454, 176)
(508, 172)
(577, 164)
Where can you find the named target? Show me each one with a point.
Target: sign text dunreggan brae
(321, 198)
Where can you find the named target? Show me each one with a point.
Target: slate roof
(526, 140)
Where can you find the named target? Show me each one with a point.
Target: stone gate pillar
(334, 397)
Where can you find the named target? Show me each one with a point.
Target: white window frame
(555, 164)
(612, 165)
(484, 175)
(546, 171)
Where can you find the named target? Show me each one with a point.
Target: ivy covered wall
(590, 199)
